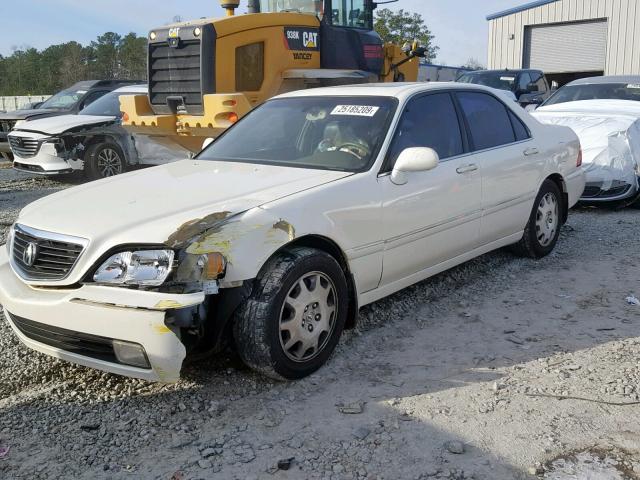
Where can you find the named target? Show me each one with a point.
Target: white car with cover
(605, 114)
(313, 205)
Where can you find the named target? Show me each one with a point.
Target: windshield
(107, 105)
(64, 100)
(603, 91)
(301, 6)
(326, 133)
(499, 80)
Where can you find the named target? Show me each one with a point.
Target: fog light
(130, 354)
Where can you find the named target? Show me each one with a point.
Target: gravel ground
(464, 376)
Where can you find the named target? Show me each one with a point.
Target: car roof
(132, 89)
(506, 71)
(395, 90)
(106, 84)
(607, 79)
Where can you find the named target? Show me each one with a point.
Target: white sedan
(313, 205)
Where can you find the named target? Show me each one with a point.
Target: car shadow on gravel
(388, 402)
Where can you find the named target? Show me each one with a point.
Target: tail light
(579, 162)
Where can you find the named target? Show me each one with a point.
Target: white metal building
(568, 39)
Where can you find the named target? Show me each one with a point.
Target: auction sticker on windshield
(355, 110)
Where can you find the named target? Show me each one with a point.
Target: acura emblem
(30, 254)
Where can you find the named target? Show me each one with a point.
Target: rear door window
(488, 120)
(519, 128)
(429, 121)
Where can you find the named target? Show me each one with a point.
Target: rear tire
(292, 322)
(543, 228)
(104, 160)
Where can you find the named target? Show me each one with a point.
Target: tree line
(28, 71)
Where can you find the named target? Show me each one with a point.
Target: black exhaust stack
(253, 6)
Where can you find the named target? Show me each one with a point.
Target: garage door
(566, 47)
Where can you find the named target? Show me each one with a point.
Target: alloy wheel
(109, 162)
(308, 317)
(547, 219)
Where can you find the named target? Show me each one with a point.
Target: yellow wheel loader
(206, 74)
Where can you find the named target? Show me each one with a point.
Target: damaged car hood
(62, 123)
(149, 206)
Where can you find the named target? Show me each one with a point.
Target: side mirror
(416, 159)
(207, 142)
(555, 85)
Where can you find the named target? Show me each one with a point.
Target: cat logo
(310, 39)
(174, 32)
(302, 39)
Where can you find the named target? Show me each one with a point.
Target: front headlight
(18, 123)
(145, 267)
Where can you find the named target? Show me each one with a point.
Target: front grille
(175, 71)
(7, 125)
(53, 256)
(24, 147)
(100, 348)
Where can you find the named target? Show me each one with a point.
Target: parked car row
(316, 203)
(91, 140)
(603, 111)
(70, 101)
(605, 114)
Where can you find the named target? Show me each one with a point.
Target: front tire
(543, 228)
(292, 322)
(104, 160)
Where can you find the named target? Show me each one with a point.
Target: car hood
(148, 206)
(62, 123)
(28, 114)
(606, 108)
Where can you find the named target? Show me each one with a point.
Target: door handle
(467, 169)
(530, 151)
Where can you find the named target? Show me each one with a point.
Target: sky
(460, 26)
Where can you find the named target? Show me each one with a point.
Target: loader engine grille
(24, 147)
(43, 256)
(181, 70)
(175, 72)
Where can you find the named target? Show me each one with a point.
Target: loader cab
(347, 38)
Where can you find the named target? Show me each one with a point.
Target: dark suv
(65, 102)
(530, 87)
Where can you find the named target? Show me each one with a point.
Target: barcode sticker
(355, 110)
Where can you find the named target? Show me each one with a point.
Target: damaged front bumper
(46, 161)
(81, 325)
(610, 191)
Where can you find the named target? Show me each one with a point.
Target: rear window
(498, 80)
(488, 120)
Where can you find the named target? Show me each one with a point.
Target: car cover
(609, 132)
